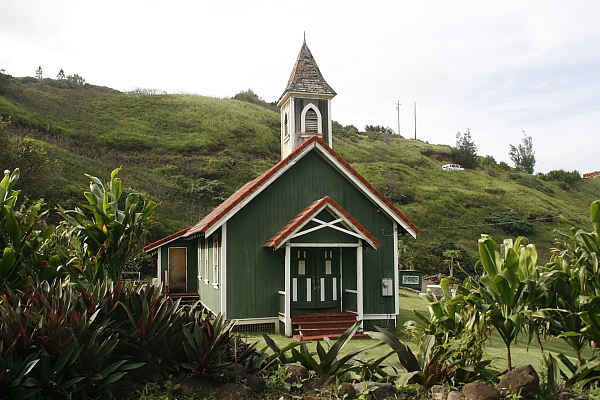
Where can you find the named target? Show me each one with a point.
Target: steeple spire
(306, 76)
(305, 104)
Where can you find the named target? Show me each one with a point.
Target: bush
(566, 179)
(511, 223)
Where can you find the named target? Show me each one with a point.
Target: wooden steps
(314, 326)
(189, 298)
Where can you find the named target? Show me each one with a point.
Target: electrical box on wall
(387, 287)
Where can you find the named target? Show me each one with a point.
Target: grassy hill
(190, 152)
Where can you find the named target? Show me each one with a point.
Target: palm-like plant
(511, 288)
(109, 235)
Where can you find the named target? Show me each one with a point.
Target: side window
(216, 258)
(206, 268)
(199, 259)
(286, 128)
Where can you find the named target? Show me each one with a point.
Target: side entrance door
(177, 269)
(315, 273)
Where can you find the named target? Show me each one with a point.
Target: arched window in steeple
(311, 120)
(286, 128)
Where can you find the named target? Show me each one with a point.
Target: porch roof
(312, 210)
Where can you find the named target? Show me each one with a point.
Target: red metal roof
(164, 240)
(305, 215)
(216, 215)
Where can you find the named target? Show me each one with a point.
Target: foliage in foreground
(60, 341)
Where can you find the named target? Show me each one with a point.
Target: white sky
(493, 67)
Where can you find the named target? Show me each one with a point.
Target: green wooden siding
(255, 274)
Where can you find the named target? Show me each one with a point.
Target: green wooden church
(308, 238)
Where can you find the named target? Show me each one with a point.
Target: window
(199, 260)
(206, 265)
(215, 259)
(286, 129)
(311, 120)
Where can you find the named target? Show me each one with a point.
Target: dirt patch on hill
(436, 155)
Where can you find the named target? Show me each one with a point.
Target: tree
(109, 234)
(39, 73)
(451, 256)
(523, 155)
(465, 152)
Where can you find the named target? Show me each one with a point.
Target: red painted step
(314, 326)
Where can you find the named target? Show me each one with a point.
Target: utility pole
(415, 120)
(398, 104)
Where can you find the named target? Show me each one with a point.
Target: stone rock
(521, 380)
(383, 391)
(195, 385)
(316, 386)
(439, 392)
(255, 383)
(235, 373)
(232, 391)
(346, 391)
(455, 395)
(480, 391)
(297, 374)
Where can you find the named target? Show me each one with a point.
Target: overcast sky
(497, 68)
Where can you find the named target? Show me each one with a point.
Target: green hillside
(190, 152)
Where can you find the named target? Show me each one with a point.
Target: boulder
(521, 380)
(439, 392)
(455, 395)
(195, 385)
(480, 391)
(255, 383)
(316, 386)
(296, 373)
(382, 390)
(232, 391)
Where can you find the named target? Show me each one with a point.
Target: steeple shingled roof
(306, 76)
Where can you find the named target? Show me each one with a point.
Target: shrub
(511, 223)
(566, 179)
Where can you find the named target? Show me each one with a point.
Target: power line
(554, 116)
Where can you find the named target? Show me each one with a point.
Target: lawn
(522, 354)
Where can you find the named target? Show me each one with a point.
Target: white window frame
(206, 264)
(215, 260)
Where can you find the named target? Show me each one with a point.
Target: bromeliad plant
(206, 343)
(326, 361)
(110, 232)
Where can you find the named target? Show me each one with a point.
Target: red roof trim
(243, 192)
(164, 240)
(310, 211)
(221, 210)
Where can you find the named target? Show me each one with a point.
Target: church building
(309, 237)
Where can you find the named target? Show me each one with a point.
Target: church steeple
(305, 104)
